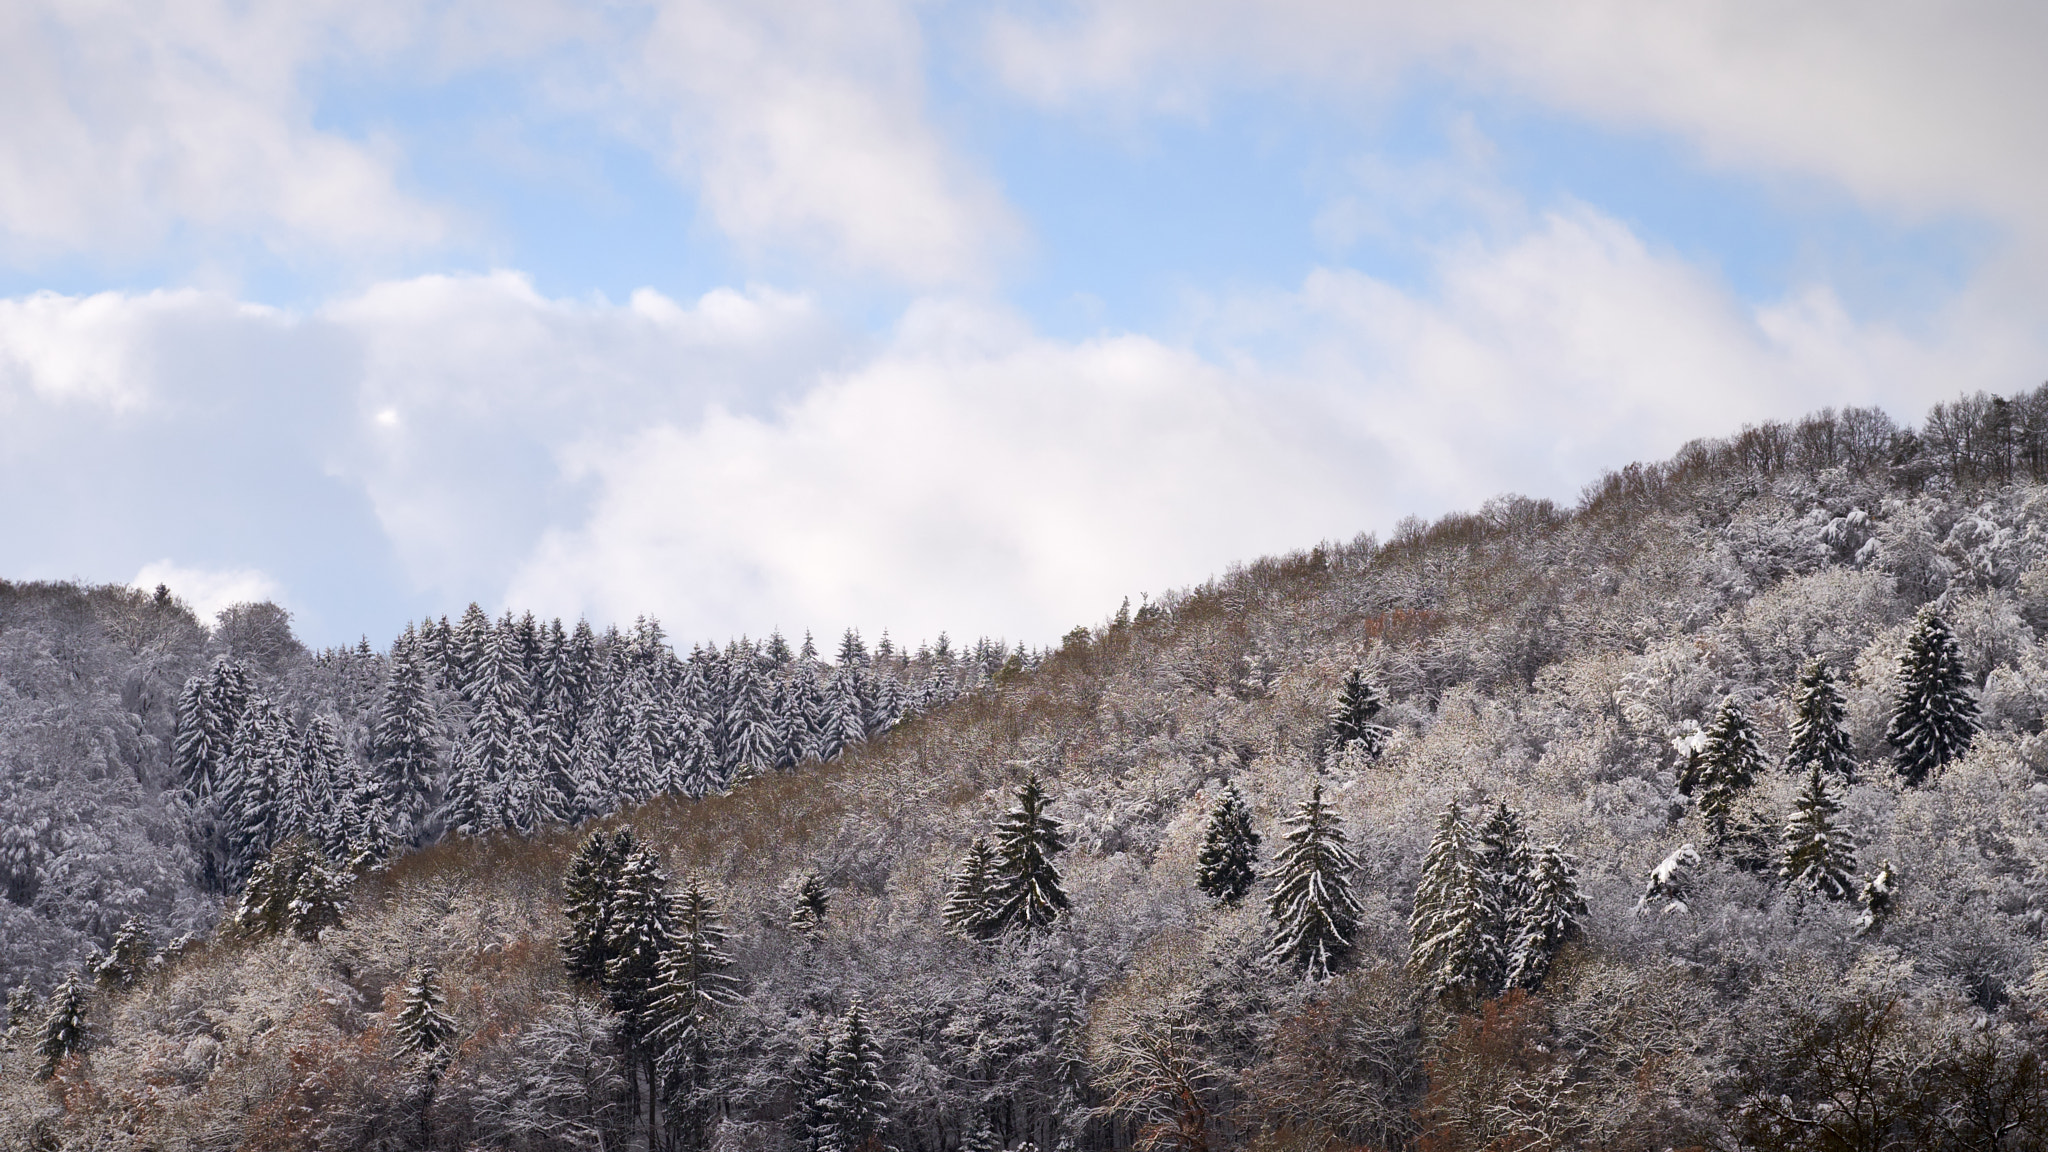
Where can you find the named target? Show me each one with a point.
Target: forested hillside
(1710, 813)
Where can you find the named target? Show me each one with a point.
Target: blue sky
(936, 316)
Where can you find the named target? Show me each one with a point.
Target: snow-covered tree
(208, 711)
(128, 956)
(423, 1027)
(1671, 881)
(1504, 853)
(1313, 909)
(1935, 715)
(810, 1082)
(694, 974)
(1228, 864)
(1818, 853)
(1876, 897)
(1453, 947)
(855, 1103)
(967, 902)
(1728, 763)
(64, 1027)
(1351, 721)
(294, 889)
(813, 902)
(587, 887)
(1024, 889)
(405, 742)
(1551, 912)
(1818, 737)
(495, 758)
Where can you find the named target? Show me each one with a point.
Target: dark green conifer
(1351, 721)
(1818, 853)
(1024, 886)
(1230, 850)
(1818, 737)
(1313, 910)
(967, 910)
(1935, 716)
(1728, 763)
(813, 903)
(64, 1028)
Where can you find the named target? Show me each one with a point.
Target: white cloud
(129, 124)
(208, 591)
(805, 127)
(1915, 108)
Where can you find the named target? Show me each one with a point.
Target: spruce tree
(811, 1085)
(294, 889)
(209, 709)
(813, 902)
(1311, 904)
(1876, 897)
(1452, 945)
(1550, 914)
(422, 1027)
(64, 1029)
(1817, 733)
(1935, 716)
(128, 956)
(1230, 850)
(586, 902)
(1351, 721)
(856, 1098)
(1728, 764)
(1817, 853)
(636, 935)
(1504, 854)
(693, 977)
(967, 903)
(405, 744)
(1024, 888)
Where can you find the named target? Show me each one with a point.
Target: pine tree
(1452, 947)
(1311, 904)
(496, 753)
(1230, 850)
(404, 743)
(423, 1027)
(1728, 764)
(208, 710)
(257, 785)
(1550, 914)
(319, 805)
(1504, 854)
(128, 956)
(294, 889)
(1935, 716)
(855, 1106)
(1817, 853)
(813, 902)
(967, 904)
(1818, 737)
(587, 887)
(635, 937)
(1876, 898)
(1024, 887)
(1351, 721)
(693, 977)
(64, 1029)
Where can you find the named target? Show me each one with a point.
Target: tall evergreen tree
(1550, 914)
(1935, 715)
(1025, 889)
(1728, 763)
(811, 1085)
(967, 903)
(1452, 946)
(1818, 853)
(856, 1101)
(321, 794)
(1876, 897)
(813, 903)
(496, 752)
(1504, 854)
(423, 1027)
(256, 793)
(405, 743)
(127, 958)
(1311, 904)
(1230, 850)
(209, 709)
(1818, 737)
(293, 889)
(587, 888)
(64, 1028)
(1351, 721)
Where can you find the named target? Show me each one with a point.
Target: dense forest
(1711, 813)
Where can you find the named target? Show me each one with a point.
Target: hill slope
(1564, 664)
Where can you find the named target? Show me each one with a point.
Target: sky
(942, 317)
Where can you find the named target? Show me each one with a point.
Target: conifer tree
(1351, 721)
(693, 976)
(209, 709)
(258, 785)
(813, 902)
(294, 889)
(128, 956)
(967, 904)
(1452, 946)
(1728, 764)
(586, 902)
(1818, 737)
(1311, 904)
(64, 1028)
(404, 743)
(636, 935)
(1876, 898)
(1230, 850)
(856, 1101)
(320, 796)
(1935, 716)
(1550, 914)
(1024, 886)
(24, 1012)
(1817, 853)
(423, 1027)
(1504, 853)
(811, 1085)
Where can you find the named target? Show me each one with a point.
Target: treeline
(477, 726)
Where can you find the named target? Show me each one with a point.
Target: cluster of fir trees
(1490, 914)
(1015, 882)
(514, 724)
(1931, 723)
